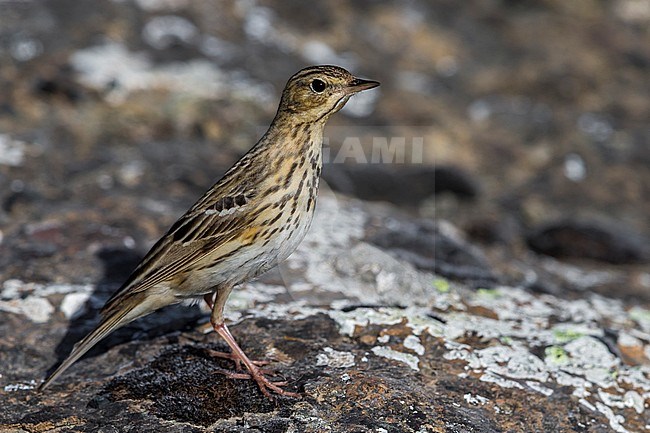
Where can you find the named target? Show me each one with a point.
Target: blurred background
(533, 117)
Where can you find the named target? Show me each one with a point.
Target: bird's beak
(358, 85)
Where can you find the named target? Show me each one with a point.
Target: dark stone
(16, 199)
(184, 385)
(493, 229)
(589, 240)
(402, 185)
(425, 246)
(451, 179)
(50, 87)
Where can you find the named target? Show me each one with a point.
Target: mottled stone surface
(369, 339)
(494, 280)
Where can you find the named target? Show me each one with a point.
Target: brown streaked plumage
(251, 219)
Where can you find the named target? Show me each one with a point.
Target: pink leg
(209, 299)
(238, 354)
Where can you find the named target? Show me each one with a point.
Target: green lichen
(488, 293)
(505, 340)
(640, 315)
(556, 355)
(566, 335)
(441, 285)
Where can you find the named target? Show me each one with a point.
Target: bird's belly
(226, 273)
(293, 235)
(281, 244)
(250, 260)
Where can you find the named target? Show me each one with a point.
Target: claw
(264, 383)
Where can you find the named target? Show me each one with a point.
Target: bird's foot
(259, 376)
(265, 384)
(254, 371)
(235, 359)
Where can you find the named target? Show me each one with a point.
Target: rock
(577, 239)
(60, 85)
(431, 354)
(403, 185)
(493, 229)
(435, 248)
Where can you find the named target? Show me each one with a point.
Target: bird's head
(315, 93)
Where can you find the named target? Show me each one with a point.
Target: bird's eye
(318, 85)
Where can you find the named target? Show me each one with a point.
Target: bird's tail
(125, 310)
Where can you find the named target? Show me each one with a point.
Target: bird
(250, 220)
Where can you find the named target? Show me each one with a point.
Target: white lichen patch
(23, 386)
(383, 339)
(575, 354)
(12, 152)
(634, 400)
(408, 359)
(642, 317)
(509, 305)
(413, 342)
(476, 400)
(30, 299)
(565, 332)
(16, 289)
(512, 362)
(535, 386)
(36, 309)
(591, 359)
(335, 359)
(73, 304)
(503, 382)
(615, 420)
(626, 339)
(348, 321)
(112, 68)
(252, 294)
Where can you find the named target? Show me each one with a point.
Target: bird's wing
(216, 219)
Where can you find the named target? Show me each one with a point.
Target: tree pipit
(250, 220)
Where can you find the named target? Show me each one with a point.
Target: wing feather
(214, 221)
